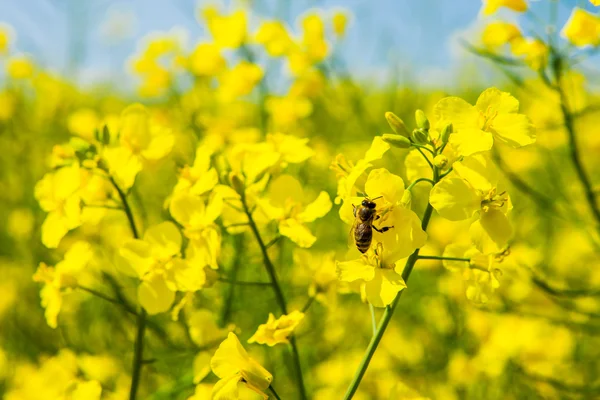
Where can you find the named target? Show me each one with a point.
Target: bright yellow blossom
(534, 51)
(58, 195)
(206, 60)
(284, 205)
(239, 81)
(141, 139)
(60, 278)
(277, 331)
(499, 33)
(340, 21)
(232, 364)
(228, 31)
(274, 37)
(83, 123)
(199, 178)
(473, 190)
(491, 6)
(376, 269)
(19, 67)
(288, 110)
(6, 36)
(198, 221)
(582, 28)
(494, 116)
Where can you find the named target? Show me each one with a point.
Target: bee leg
(383, 229)
(377, 217)
(354, 210)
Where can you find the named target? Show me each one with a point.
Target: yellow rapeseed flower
(499, 33)
(473, 190)
(491, 6)
(60, 278)
(228, 31)
(239, 81)
(206, 60)
(58, 195)
(494, 116)
(232, 364)
(6, 37)
(277, 331)
(83, 123)
(582, 28)
(534, 51)
(274, 37)
(340, 22)
(20, 67)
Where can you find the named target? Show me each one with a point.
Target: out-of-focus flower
(198, 222)
(284, 205)
(277, 331)
(473, 190)
(274, 37)
(228, 31)
(60, 278)
(499, 33)
(494, 116)
(199, 178)
(288, 110)
(58, 195)
(232, 364)
(7, 105)
(141, 139)
(320, 270)
(6, 37)
(340, 22)
(206, 60)
(239, 81)
(534, 51)
(582, 28)
(20, 223)
(491, 6)
(83, 122)
(20, 67)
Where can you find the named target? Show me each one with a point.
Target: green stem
(137, 355)
(373, 320)
(573, 146)
(387, 316)
(274, 393)
(243, 283)
(138, 350)
(389, 310)
(419, 180)
(444, 258)
(107, 298)
(309, 302)
(278, 292)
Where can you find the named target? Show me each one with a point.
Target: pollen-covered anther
(493, 200)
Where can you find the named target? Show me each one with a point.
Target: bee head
(368, 203)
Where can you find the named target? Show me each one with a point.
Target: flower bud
(237, 184)
(445, 133)
(440, 161)
(397, 140)
(420, 136)
(422, 121)
(406, 199)
(396, 124)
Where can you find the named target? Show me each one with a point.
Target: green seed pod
(445, 133)
(406, 198)
(420, 136)
(422, 121)
(440, 161)
(396, 124)
(399, 141)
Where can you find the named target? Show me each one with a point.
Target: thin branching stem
(138, 350)
(278, 292)
(441, 258)
(107, 298)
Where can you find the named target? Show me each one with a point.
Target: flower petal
(501, 102)
(384, 287)
(471, 141)
(454, 199)
(461, 114)
(317, 209)
(297, 232)
(382, 183)
(516, 130)
(479, 171)
(350, 271)
(155, 296)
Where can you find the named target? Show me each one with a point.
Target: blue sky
(418, 37)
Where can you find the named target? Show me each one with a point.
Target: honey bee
(362, 229)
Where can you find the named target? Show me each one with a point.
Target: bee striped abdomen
(363, 236)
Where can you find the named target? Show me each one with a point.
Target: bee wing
(351, 240)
